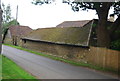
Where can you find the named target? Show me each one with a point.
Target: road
(45, 68)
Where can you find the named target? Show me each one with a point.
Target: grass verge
(68, 61)
(0, 67)
(12, 71)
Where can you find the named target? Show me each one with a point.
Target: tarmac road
(45, 68)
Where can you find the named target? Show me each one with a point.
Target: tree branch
(115, 25)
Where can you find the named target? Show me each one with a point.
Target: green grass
(10, 70)
(68, 61)
(0, 68)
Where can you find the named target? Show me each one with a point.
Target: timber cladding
(94, 55)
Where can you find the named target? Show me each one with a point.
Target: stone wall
(94, 55)
(8, 41)
(12, 41)
(65, 51)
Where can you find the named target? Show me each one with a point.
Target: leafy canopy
(8, 20)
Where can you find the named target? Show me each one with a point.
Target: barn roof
(19, 30)
(70, 35)
(73, 23)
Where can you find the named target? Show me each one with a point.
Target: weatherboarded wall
(94, 55)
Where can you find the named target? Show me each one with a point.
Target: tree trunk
(0, 27)
(103, 38)
(102, 34)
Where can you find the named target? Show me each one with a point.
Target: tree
(5, 26)
(8, 20)
(0, 27)
(102, 8)
(6, 13)
(40, 2)
(6, 16)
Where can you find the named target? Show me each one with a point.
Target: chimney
(111, 19)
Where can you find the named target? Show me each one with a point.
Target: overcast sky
(46, 15)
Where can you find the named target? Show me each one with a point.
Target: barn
(14, 33)
(67, 41)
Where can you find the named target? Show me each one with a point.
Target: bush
(115, 45)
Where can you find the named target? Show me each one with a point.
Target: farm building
(73, 43)
(59, 40)
(14, 33)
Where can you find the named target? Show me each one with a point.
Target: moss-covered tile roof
(69, 35)
(73, 23)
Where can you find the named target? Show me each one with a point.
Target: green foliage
(81, 4)
(8, 20)
(115, 44)
(13, 22)
(94, 6)
(40, 2)
(117, 8)
(6, 25)
(94, 25)
(0, 67)
(6, 13)
(117, 31)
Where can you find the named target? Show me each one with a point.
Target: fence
(104, 57)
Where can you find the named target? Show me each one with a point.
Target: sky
(36, 16)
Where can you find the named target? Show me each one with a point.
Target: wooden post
(17, 35)
(16, 15)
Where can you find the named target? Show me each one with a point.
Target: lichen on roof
(73, 23)
(69, 35)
